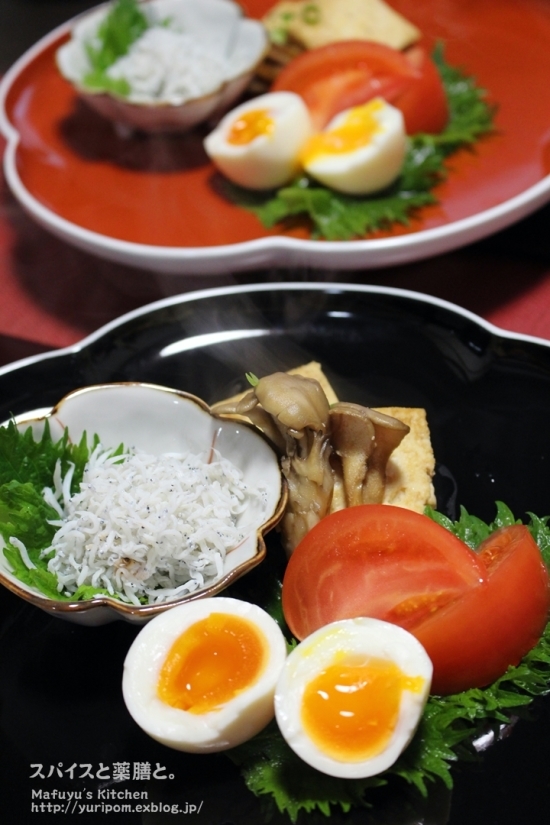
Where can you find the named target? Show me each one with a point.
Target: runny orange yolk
(250, 125)
(351, 708)
(212, 661)
(355, 131)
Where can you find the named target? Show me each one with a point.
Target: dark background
(23, 22)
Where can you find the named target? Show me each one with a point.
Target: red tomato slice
(475, 614)
(424, 102)
(379, 561)
(473, 641)
(348, 73)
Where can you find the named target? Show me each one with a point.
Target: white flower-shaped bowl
(159, 420)
(218, 26)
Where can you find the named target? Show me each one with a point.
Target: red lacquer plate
(154, 202)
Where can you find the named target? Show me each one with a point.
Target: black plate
(487, 395)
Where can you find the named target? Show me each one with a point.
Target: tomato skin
(474, 613)
(375, 560)
(473, 641)
(348, 73)
(423, 103)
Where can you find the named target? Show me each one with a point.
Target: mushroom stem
(352, 438)
(364, 439)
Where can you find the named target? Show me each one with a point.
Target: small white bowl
(219, 26)
(158, 420)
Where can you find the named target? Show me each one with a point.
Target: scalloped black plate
(487, 394)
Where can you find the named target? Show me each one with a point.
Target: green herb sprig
(338, 217)
(123, 25)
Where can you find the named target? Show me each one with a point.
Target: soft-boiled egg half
(351, 695)
(267, 141)
(201, 677)
(258, 143)
(361, 151)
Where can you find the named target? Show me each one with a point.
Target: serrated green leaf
(26, 468)
(271, 768)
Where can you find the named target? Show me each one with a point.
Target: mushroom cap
(298, 403)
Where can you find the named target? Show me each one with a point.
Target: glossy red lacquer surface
(163, 191)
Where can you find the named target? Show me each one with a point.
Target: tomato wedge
(375, 560)
(475, 613)
(473, 641)
(351, 72)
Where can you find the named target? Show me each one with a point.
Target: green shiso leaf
(446, 733)
(335, 216)
(470, 114)
(26, 467)
(123, 25)
(26, 460)
(269, 767)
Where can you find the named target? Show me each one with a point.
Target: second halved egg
(361, 151)
(350, 696)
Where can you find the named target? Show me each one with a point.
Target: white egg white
(368, 168)
(368, 638)
(269, 159)
(236, 721)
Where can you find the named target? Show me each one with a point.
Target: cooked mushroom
(353, 441)
(363, 439)
(389, 432)
(296, 402)
(346, 444)
(301, 412)
(293, 412)
(248, 406)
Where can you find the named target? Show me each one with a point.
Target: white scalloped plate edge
(335, 288)
(276, 250)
